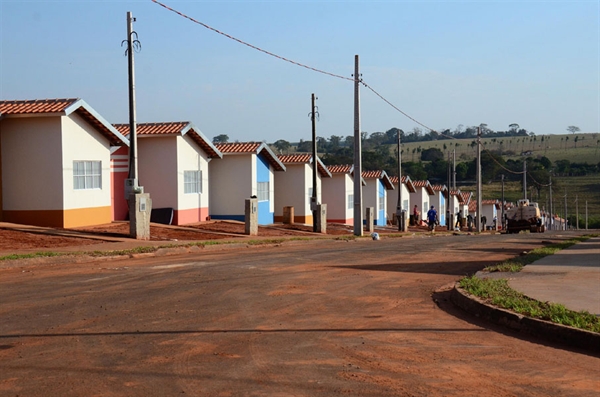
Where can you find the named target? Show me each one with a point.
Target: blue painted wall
(265, 216)
(380, 221)
(443, 214)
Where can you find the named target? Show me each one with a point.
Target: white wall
(190, 157)
(232, 181)
(82, 142)
(157, 169)
(31, 164)
(392, 202)
(291, 190)
(371, 196)
(335, 195)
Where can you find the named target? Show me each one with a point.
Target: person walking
(416, 216)
(432, 218)
(459, 220)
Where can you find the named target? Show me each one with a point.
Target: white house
(55, 163)
(422, 197)
(439, 201)
(375, 194)
(392, 197)
(246, 169)
(173, 166)
(294, 187)
(489, 210)
(338, 194)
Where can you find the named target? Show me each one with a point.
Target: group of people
(433, 220)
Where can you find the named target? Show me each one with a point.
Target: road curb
(586, 340)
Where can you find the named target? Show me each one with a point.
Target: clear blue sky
(445, 63)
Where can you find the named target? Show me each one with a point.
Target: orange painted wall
(194, 215)
(60, 218)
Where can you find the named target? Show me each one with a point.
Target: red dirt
(13, 240)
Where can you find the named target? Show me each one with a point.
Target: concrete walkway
(570, 277)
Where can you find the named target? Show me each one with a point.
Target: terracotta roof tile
(394, 179)
(489, 202)
(372, 174)
(238, 147)
(465, 197)
(153, 128)
(420, 183)
(295, 158)
(304, 159)
(340, 169)
(439, 188)
(35, 106)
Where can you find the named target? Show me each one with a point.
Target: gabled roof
(440, 188)
(63, 107)
(405, 180)
(305, 159)
(465, 197)
(489, 202)
(173, 128)
(345, 169)
(251, 148)
(381, 175)
(473, 206)
(424, 184)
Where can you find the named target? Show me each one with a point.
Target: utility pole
(551, 209)
(313, 201)
(576, 212)
(502, 222)
(448, 211)
(140, 204)
(566, 217)
(400, 216)
(133, 165)
(525, 179)
(358, 215)
(454, 169)
(586, 216)
(478, 220)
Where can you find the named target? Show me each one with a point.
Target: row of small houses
(64, 165)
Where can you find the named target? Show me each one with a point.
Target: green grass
(498, 293)
(516, 264)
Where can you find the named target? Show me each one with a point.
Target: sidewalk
(570, 277)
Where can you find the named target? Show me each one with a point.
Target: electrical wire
(250, 45)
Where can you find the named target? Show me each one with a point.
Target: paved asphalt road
(323, 318)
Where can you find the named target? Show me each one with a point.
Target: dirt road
(323, 318)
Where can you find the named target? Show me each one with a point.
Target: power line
(250, 45)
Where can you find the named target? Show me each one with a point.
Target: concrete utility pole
(566, 217)
(313, 202)
(400, 215)
(577, 212)
(454, 169)
(448, 212)
(586, 216)
(502, 221)
(133, 165)
(478, 220)
(140, 205)
(525, 179)
(358, 215)
(551, 209)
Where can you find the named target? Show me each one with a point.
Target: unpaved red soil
(323, 318)
(13, 240)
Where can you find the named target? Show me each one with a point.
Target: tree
(222, 138)
(282, 145)
(573, 129)
(432, 154)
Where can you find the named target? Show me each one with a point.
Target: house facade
(439, 199)
(55, 163)
(392, 197)
(422, 198)
(375, 195)
(338, 194)
(294, 187)
(173, 166)
(246, 169)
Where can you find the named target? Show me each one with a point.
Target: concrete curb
(586, 340)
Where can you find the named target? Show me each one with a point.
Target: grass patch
(515, 265)
(33, 255)
(498, 293)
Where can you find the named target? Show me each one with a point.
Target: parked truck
(525, 216)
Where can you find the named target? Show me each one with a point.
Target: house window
(350, 201)
(426, 205)
(405, 205)
(192, 182)
(87, 175)
(381, 203)
(262, 191)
